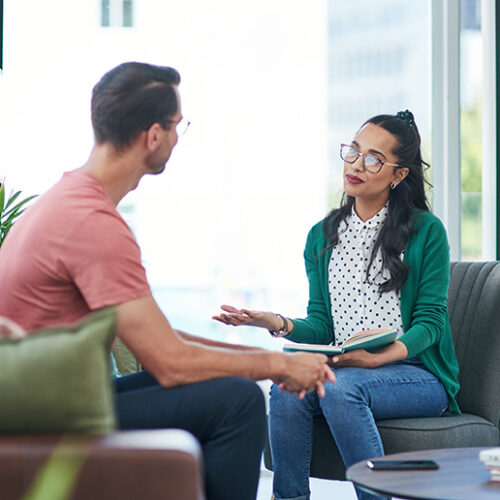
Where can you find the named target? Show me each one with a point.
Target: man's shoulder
(80, 188)
(75, 198)
(72, 215)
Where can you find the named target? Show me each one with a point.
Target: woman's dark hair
(408, 195)
(129, 99)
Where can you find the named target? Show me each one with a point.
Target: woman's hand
(363, 359)
(357, 357)
(237, 317)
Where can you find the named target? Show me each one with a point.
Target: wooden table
(461, 476)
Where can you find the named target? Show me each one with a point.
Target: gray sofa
(474, 309)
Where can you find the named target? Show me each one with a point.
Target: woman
(380, 260)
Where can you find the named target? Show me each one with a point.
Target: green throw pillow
(58, 379)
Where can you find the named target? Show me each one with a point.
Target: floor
(321, 489)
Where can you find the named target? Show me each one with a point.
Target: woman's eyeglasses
(371, 163)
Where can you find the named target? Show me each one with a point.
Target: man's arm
(174, 361)
(214, 343)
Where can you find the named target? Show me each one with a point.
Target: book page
(366, 334)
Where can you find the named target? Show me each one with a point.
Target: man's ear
(153, 136)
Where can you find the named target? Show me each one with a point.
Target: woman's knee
(286, 405)
(348, 386)
(281, 402)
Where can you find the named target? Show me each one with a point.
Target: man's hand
(305, 372)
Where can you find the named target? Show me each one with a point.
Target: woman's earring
(394, 185)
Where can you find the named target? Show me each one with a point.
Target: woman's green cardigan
(424, 312)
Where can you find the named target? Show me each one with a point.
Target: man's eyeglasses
(181, 126)
(371, 163)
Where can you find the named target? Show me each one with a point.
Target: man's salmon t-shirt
(69, 254)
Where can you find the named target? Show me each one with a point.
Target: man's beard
(156, 164)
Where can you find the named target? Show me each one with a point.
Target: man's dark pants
(226, 415)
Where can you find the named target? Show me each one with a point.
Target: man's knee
(247, 396)
(247, 415)
(254, 396)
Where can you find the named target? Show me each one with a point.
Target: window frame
(446, 124)
(1, 36)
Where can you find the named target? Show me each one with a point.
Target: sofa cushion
(126, 362)
(58, 379)
(449, 431)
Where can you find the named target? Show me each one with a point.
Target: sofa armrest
(151, 464)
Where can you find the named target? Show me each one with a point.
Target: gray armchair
(474, 309)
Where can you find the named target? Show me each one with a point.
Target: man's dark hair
(129, 99)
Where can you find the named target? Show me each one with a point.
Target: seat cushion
(449, 431)
(126, 362)
(59, 379)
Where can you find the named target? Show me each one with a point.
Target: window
(105, 15)
(378, 62)
(464, 119)
(271, 89)
(127, 13)
(117, 13)
(228, 219)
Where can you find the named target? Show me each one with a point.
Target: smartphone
(402, 465)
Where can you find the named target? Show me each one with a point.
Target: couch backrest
(474, 308)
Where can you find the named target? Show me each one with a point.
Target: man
(72, 253)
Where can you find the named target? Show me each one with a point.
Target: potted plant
(10, 209)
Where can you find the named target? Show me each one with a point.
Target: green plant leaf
(10, 211)
(12, 199)
(19, 205)
(12, 216)
(4, 232)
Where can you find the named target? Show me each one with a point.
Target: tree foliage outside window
(471, 181)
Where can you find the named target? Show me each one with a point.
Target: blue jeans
(227, 416)
(351, 405)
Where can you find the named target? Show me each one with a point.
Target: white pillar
(489, 132)
(446, 119)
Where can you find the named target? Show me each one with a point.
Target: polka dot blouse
(356, 302)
